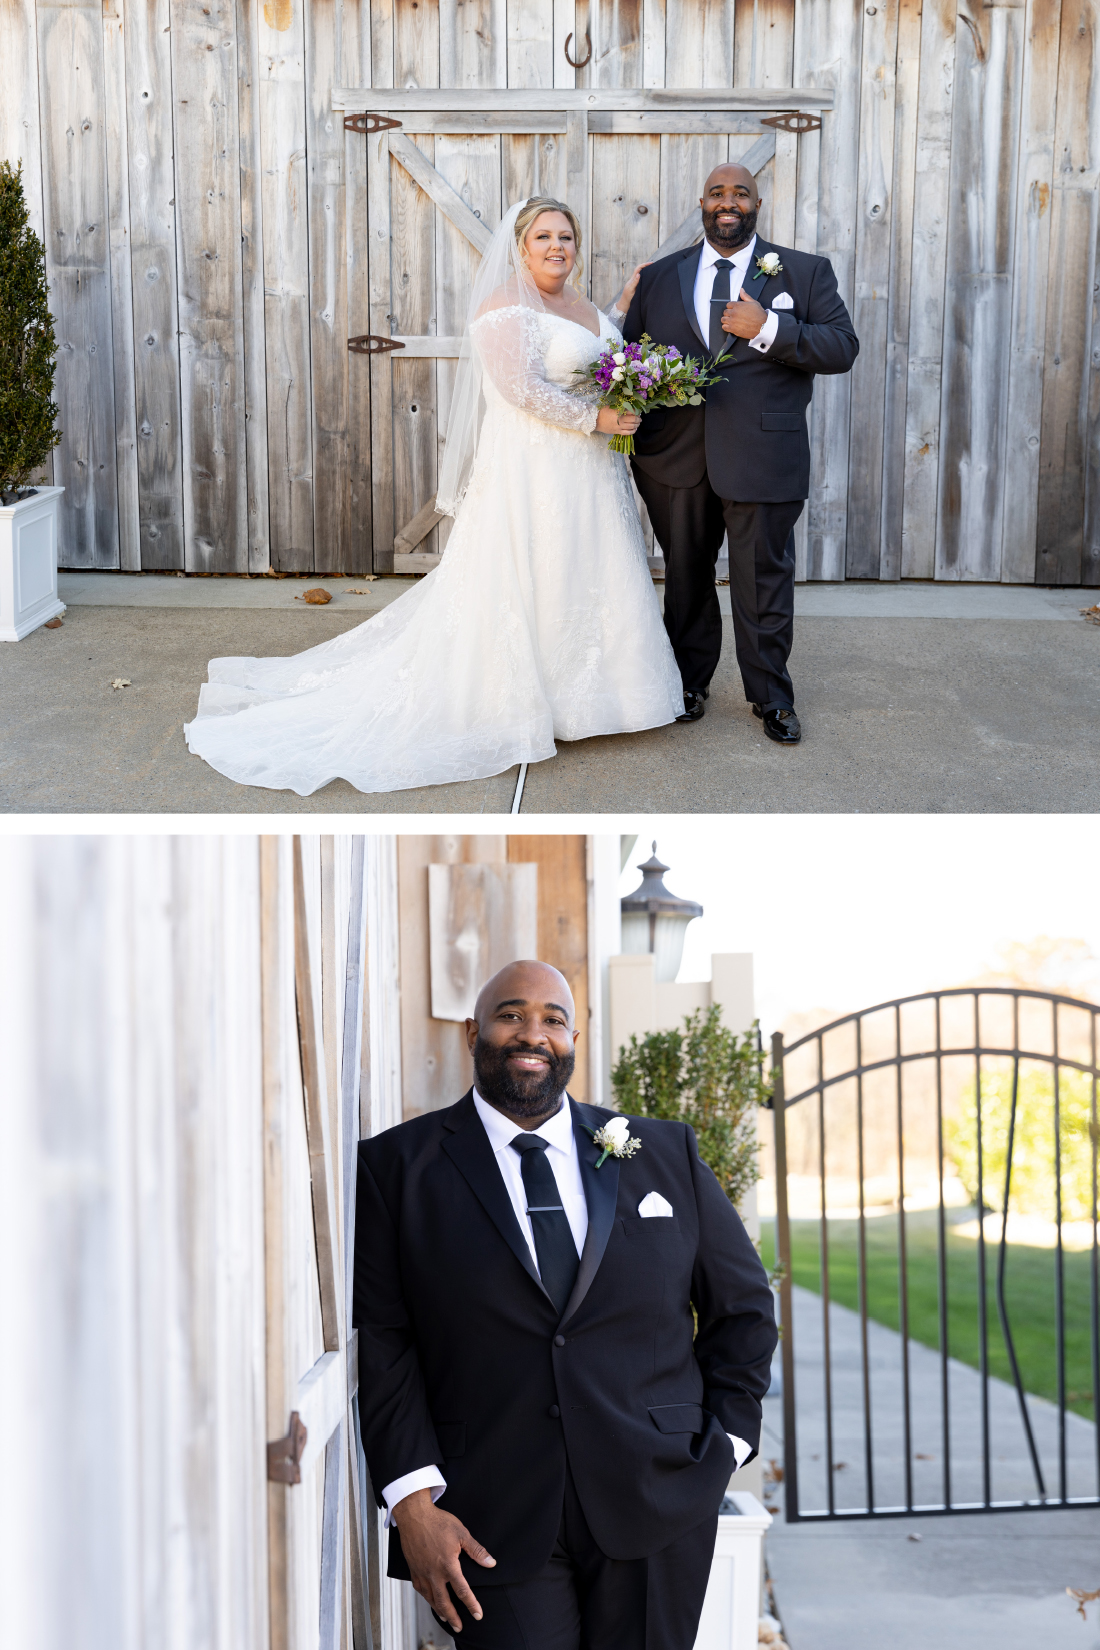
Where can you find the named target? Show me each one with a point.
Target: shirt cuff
(424, 1478)
(765, 338)
(741, 1450)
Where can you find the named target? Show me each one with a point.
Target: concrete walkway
(914, 698)
(953, 1582)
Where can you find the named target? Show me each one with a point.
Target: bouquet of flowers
(640, 377)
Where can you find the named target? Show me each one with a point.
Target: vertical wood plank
(653, 42)
(473, 43)
(1072, 308)
(874, 238)
(764, 43)
(699, 42)
(122, 308)
(357, 44)
(926, 312)
(616, 43)
(380, 283)
(906, 89)
(565, 24)
(282, 103)
(827, 53)
(413, 312)
(980, 236)
(1029, 291)
(626, 198)
(530, 43)
(577, 180)
(415, 44)
(473, 168)
(381, 43)
(252, 278)
(563, 921)
(70, 51)
(209, 272)
(153, 263)
(328, 296)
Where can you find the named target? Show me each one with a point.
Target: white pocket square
(782, 300)
(653, 1204)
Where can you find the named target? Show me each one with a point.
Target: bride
(541, 619)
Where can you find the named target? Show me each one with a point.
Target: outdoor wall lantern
(656, 921)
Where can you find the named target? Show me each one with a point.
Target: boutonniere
(614, 1140)
(768, 265)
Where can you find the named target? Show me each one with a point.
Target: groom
(739, 465)
(550, 1433)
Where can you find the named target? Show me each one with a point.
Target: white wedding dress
(540, 621)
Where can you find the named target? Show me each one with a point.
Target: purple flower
(673, 353)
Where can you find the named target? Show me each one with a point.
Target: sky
(843, 912)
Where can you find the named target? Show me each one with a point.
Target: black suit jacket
(750, 436)
(458, 1356)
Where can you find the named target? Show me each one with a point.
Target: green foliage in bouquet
(28, 412)
(704, 1075)
(1032, 1188)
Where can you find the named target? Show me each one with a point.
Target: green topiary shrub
(704, 1075)
(28, 412)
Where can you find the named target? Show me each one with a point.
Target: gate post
(786, 1305)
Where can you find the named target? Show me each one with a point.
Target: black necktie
(719, 298)
(554, 1247)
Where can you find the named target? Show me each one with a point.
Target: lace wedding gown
(541, 619)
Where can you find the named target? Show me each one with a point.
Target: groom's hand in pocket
(432, 1541)
(745, 318)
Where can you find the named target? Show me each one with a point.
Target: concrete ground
(913, 698)
(953, 1582)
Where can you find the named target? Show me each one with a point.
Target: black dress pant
(583, 1600)
(689, 524)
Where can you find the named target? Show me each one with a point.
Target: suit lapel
(601, 1191)
(469, 1150)
(688, 269)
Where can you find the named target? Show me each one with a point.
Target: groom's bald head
(730, 202)
(522, 1037)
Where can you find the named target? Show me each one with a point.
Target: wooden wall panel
(626, 198)
(414, 404)
(699, 42)
(209, 272)
(906, 89)
(122, 310)
(154, 298)
(531, 43)
(1070, 367)
(616, 43)
(980, 239)
(75, 204)
(473, 43)
(563, 924)
(282, 110)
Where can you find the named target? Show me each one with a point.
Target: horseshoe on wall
(584, 61)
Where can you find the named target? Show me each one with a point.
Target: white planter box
(28, 563)
(731, 1610)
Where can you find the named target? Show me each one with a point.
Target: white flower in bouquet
(618, 375)
(620, 359)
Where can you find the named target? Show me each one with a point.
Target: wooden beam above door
(526, 100)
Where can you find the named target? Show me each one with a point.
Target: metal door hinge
(792, 121)
(370, 343)
(369, 123)
(285, 1454)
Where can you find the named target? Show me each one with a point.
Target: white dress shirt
(739, 277)
(562, 1157)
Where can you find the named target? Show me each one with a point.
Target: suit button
(553, 1411)
(559, 1340)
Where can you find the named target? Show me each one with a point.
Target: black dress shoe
(782, 725)
(694, 706)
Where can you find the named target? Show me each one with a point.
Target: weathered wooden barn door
(442, 167)
(313, 953)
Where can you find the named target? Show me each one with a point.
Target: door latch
(792, 121)
(369, 123)
(370, 343)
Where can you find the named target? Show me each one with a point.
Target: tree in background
(1032, 1187)
(28, 413)
(704, 1075)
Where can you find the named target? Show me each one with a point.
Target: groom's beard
(529, 1095)
(729, 236)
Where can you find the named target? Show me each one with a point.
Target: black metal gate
(902, 1133)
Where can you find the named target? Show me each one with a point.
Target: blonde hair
(534, 208)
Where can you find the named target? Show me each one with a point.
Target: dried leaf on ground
(121, 682)
(52, 624)
(1092, 614)
(770, 1633)
(1083, 1599)
(316, 597)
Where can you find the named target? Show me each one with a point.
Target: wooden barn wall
(205, 219)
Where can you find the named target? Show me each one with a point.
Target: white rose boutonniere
(614, 1140)
(768, 265)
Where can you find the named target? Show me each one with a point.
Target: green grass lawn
(1030, 1293)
